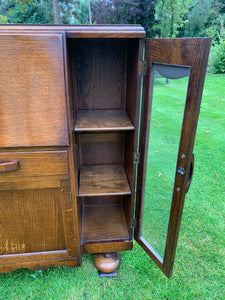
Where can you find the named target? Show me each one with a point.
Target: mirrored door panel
(172, 90)
(168, 102)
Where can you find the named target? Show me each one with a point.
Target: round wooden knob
(107, 262)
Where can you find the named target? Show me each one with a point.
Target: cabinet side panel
(32, 91)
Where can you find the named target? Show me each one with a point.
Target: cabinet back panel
(101, 148)
(32, 91)
(31, 221)
(100, 72)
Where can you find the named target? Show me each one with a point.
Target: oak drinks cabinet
(75, 112)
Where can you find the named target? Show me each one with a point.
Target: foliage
(205, 19)
(219, 57)
(125, 12)
(3, 19)
(171, 16)
(27, 11)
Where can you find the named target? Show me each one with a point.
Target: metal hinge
(133, 223)
(71, 200)
(136, 158)
(142, 66)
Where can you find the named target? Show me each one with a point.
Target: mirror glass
(168, 102)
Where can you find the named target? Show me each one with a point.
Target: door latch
(181, 171)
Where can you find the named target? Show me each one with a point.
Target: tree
(206, 18)
(56, 13)
(171, 15)
(124, 12)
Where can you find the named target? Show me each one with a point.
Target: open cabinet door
(168, 126)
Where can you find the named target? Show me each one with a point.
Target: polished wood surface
(107, 246)
(101, 148)
(187, 52)
(107, 262)
(33, 102)
(83, 31)
(103, 223)
(102, 120)
(31, 221)
(98, 73)
(103, 180)
(7, 166)
(34, 164)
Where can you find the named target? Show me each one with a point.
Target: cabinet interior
(103, 93)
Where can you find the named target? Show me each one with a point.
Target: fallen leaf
(156, 151)
(207, 131)
(217, 175)
(179, 112)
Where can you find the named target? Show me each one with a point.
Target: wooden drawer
(17, 166)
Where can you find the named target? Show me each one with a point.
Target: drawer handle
(9, 166)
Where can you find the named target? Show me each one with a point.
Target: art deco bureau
(75, 112)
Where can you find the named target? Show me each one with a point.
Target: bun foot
(107, 263)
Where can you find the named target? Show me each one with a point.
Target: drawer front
(16, 166)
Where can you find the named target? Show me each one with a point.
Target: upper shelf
(102, 120)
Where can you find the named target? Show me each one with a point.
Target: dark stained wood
(99, 71)
(44, 263)
(30, 183)
(103, 180)
(7, 166)
(102, 120)
(83, 31)
(31, 221)
(187, 52)
(73, 186)
(31, 65)
(103, 223)
(107, 247)
(101, 148)
(41, 163)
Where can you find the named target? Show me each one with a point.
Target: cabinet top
(81, 31)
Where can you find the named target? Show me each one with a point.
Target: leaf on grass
(217, 175)
(206, 131)
(156, 151)
(159, 174)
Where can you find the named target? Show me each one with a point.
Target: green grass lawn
(200, 263)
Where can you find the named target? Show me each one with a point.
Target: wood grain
(102, 120)
(83, 31)
(102, 223)
(31, 221)
(101, 148)
(32, 91)
(100, 247)
(187, 52)
(103, 180)
(99, 71)
(31, 164)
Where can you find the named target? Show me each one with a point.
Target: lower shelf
(103, 223)
(103, 180)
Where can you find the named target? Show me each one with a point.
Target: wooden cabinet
(74, 141)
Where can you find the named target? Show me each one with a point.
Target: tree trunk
(56, 13)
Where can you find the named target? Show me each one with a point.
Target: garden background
(199, 265)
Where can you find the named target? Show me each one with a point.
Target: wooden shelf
(102, 120)
(103, 180)
(103, 223)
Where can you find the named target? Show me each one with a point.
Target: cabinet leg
(107, 263)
